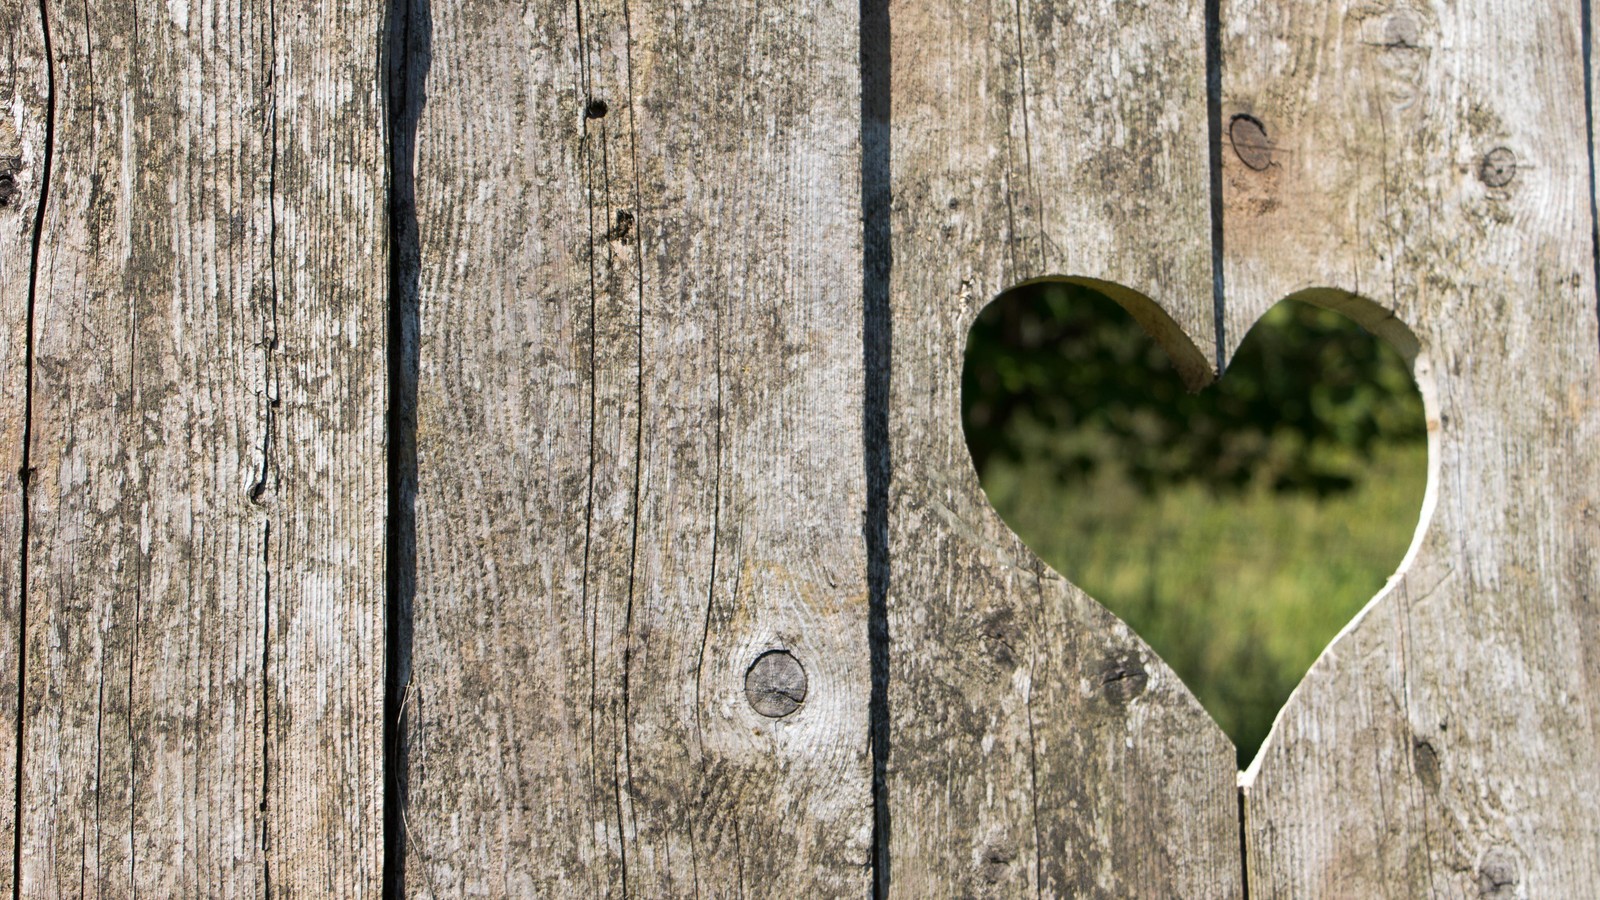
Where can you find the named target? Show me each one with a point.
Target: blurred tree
(1060, 372)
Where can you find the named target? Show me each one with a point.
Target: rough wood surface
(1036, 745)
(1433, 159)
(638, 451)
(204, 595)
(24, 104)
(690, 526)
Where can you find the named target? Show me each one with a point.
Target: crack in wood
(25, 475)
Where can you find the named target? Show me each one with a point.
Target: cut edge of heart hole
(1197, 371)
(1387, 326)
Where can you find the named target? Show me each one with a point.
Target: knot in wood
(1249, 139)
(1425, 761)
(996, 862)
(1497, 167)
(623, 228)
(9, 167)
(1123, 678)
(775, 684)
(1402, 32)
(1499, 875)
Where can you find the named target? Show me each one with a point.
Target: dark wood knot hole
(775, 684)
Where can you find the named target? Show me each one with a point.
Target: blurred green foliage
(1307, 389)
(1238, 529)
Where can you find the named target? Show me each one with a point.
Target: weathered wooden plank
(639, 451)
(1433, 159)
(1035, 744)
(204, 641)
(328, 494)
(25, 104)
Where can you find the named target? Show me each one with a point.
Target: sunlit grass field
(1239, 591)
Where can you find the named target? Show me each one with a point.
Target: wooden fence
(513, 448)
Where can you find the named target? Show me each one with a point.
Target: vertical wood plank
(639, 451)
(24, 103)
(204, 642)
(326, 452)
(1433, 159)
(1036, 745)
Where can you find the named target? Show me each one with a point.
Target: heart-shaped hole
(1237, 529)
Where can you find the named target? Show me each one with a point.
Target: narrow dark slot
(1213, 15)
(876, 346)
(1244, 846)
(406, 51)
(1588, 114)
(1213, 38)
(25, 475)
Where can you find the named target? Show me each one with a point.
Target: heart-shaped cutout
(1237, 529)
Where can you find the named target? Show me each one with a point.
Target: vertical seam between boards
(1213, 59)
(876, 350)
(1586, 29)
(401, 373)
(1244, 844)
(1213, 53)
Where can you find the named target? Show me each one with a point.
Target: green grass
(1238, 591)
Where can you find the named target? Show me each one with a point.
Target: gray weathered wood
(639, 445)
(205, 596)
(23, 101)
(671, 418)
(1036, 745)
(1447, 743)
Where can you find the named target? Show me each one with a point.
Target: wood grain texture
(24, 109)
(656, 377)
(1036, 744)
(639, 451)
(204, 641)
(1432, 158)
